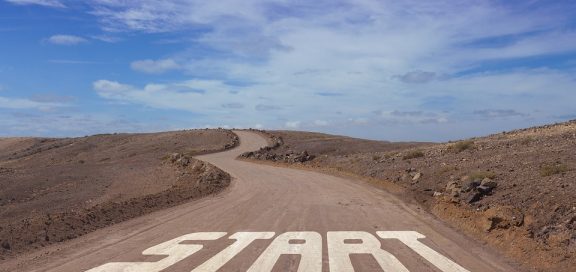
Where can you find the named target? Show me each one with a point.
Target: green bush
(552, 169)
(413, 154)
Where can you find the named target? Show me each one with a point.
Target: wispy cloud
(155, 66)
(344, 63)
(62, 39)
(46, 3)
(499, 113)
(65, 61)
(187, 95)
(417, 77)
(23, 103)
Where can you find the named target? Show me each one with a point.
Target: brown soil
(529, 214)
(58, 189)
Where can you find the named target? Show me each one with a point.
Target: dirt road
(276, 219)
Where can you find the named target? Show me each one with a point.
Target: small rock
(416, 177)
(437, 194)
(487, 182)
(175, 156)
(470, 185)
(183, 161)
(484, 190)
(6, 245)
(474, 197)
(452, 185)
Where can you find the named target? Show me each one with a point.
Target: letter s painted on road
(175, 251)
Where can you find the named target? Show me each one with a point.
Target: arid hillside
(57, 189)
(515, 190)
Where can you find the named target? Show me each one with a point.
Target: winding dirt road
(279, 219)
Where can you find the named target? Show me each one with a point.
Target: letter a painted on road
(310, 252)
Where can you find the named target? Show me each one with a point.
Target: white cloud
(155, 66)
(295, 60)
(22, 103)
(202, 96)
(46, 3)
(106, 38)
(66, 40)
(292, 124)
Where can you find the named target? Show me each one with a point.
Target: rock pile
(468, 190)
(411, 175)
(179, 159)
(290, 156)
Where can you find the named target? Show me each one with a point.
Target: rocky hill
(58, 189)
(515, 190)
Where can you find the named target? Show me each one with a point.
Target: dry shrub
(461, 146)
(552, 169)
(413, 154)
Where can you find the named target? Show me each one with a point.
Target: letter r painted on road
(339, 251)
(306, 244)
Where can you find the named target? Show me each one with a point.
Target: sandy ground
(264, 198)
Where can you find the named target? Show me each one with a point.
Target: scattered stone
(174, 157)
(474, 197)
(502, 217)
(470, 185)
(452, 185)
(416, 177)
(487, 182)
(484, 190)
(6, 245)
(184, 161)
(437, 194)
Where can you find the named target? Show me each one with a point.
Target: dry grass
(461, 146)
(413, 154)
(480, 175)
(527, 140)
(552, 169)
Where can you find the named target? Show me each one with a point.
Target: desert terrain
(273, 219)
(514, 190)
(503, 202)
(58, 189)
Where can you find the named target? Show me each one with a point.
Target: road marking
(310, 252)
(306, 244)
(410, 239)
(243, 239)
(175, 251)
(339, 251)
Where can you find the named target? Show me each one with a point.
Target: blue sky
(392, 70)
